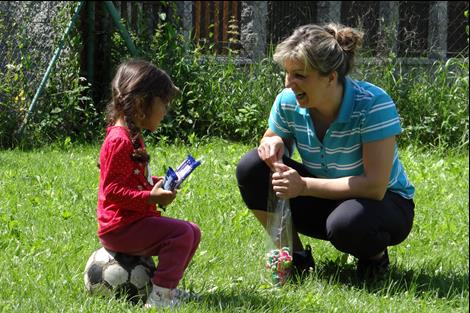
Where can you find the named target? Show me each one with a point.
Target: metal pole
(50, 66)
(124, 33)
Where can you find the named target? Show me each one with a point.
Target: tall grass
(432, 99)
(225, 99)
(222, 97)
(48, 230)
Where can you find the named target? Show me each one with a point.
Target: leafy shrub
(432, 101)
(222, 96)
(226, 99)
(63, 109)
(14, 91)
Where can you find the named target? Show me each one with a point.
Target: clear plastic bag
(279, 221)
(279, 243)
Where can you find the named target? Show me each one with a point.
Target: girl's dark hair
(134, 88)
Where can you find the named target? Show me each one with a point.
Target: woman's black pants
(360, 227)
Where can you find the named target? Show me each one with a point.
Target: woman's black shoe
(373, 269)
(302, 262)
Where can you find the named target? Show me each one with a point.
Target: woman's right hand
(271, 150)
(161, 196)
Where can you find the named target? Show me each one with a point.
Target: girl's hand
(161, 196)
(287, 183)
(271, 150)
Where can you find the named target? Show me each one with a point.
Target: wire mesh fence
(412, 23)
(30, 31)
(457, 29)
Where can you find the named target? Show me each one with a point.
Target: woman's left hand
(287, 183)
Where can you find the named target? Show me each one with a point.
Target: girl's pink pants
(173, 241)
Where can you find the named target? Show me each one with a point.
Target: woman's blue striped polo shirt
(367, 113)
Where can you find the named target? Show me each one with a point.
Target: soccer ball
(109, 273)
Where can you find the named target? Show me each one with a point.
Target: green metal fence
(32, 42)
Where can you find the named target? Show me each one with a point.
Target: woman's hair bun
(348, 38)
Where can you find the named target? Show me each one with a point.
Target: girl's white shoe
(161, 297)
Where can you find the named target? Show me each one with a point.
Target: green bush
(14, 82)
(225, 99)
(432, 101)
(221, 99)
(64, 111)
(12, 102)
(221, 95)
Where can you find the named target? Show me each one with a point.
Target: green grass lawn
(48, 230)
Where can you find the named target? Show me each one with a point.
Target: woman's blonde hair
(327, 48)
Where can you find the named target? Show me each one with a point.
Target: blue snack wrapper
(170, 179)
(173, 179)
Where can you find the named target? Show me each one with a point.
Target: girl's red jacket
(123, 187)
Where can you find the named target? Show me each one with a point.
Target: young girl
(128, 220)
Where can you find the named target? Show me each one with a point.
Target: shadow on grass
(442, 284)
(230, 299)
